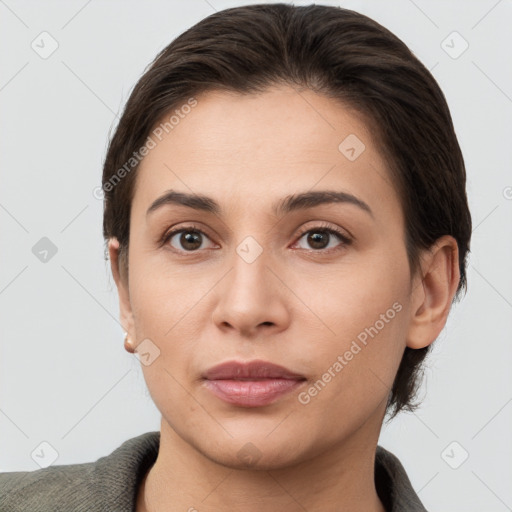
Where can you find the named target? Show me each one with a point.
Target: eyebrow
(286, 205)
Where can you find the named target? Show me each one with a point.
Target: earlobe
(125, 310)
(432, 297)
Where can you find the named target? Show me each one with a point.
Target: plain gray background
(65, 378)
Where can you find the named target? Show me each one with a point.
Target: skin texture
(297, 304)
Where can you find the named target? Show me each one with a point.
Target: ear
(433, 292)
(125, 308)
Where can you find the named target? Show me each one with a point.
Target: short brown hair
(333, 51)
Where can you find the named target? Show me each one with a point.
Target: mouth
(251, 370)
(252, 384)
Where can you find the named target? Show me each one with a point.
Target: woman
(287, 224)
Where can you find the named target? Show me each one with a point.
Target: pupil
(187, 238)
(316, 240)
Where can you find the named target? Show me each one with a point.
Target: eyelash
(322, 228)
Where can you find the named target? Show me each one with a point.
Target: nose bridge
(252, 235)
(250, 249)
(250, 294)
(250, 263)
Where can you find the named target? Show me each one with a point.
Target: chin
(249, 457)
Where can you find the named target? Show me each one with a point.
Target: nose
(252, 298)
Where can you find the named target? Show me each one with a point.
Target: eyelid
(344, 234)
(172, 232)
(344, 239)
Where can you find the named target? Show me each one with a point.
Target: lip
(256, 369)
(251, 384)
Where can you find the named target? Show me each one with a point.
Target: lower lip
(252, 393)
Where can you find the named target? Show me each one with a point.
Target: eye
(320, 238)
(191, 239)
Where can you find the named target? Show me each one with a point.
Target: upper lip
(250, 370)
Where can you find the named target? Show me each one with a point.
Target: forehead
(253, 146)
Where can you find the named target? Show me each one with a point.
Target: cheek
(164, 312)
(351, 297)
(363, 322)
(169, 309)
(163, 296)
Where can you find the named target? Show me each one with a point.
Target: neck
(342, 478)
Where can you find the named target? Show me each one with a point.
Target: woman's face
(260, 278)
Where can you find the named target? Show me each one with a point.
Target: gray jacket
(111, 483)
